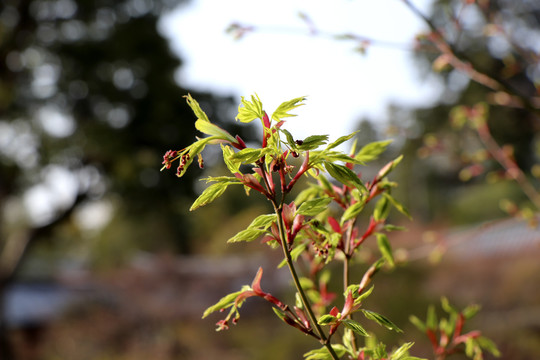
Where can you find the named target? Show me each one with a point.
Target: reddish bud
(241, 143)
(266, 121)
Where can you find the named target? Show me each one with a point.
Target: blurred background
(99, 257)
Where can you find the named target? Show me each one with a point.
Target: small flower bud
(201, 161)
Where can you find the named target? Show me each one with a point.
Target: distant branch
(17, 246)
(449, 55)
(238, 31)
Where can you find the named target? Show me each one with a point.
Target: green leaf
(356, 327)
(313, 142)
(372, 150)
(209, 194)
(470, 347)
(352, 211)
(471, 311)
(381, 320)
(290, 139)
(314, 207)
(445, 304)
(349, 341)
(206, 127)
(399, 207)
(341, 140)
(250, 110)
(228, 152)
(418, 323)
(257, 228)
(385, 248)
(344, 175)
(382, 208)
(402, 353)
(334, 156)
(306, 194)
(247, 235)
(223, 303)
(306, 283)
(283, 110)
(263, 221)
(222, 179)
(280, 313)
(194, 105)
(324, 354)
(295, 253)
(364, 295)
(318, 354)
(431, 319)
(488, 345)
(248, 155)
(326, 184)
(446, 326)
(327, 319)
(390, 227)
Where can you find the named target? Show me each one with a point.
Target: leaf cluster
(315, 229)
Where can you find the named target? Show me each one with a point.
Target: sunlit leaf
(290, 139)
(471, 311)
(222, 179)
(206, 127)
(372, 150)
(353, 211)
(363, 295)
(399, 207)
(263, 221)
(250, 110)
(314, 207)
(488, 345)
(248, 155)
(418, 323)
(356, 327)
(306, 194)
(341, 140)
(381, 320)
(313, 142)
(283, 109)
(385, 248)
(247, 235)
(295, 253)
(402, 353)
(223, 303)
(209, 194)
(324, 354)
(194, 105)
(233, 166)
(327, 319)
(445, 304)
(431, 319)
(344, 175)
(333, 156)
(256, 229)
(382, 208)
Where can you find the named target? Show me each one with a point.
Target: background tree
(487, 60)
(88, 106)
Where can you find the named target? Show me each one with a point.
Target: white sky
(282, 61)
